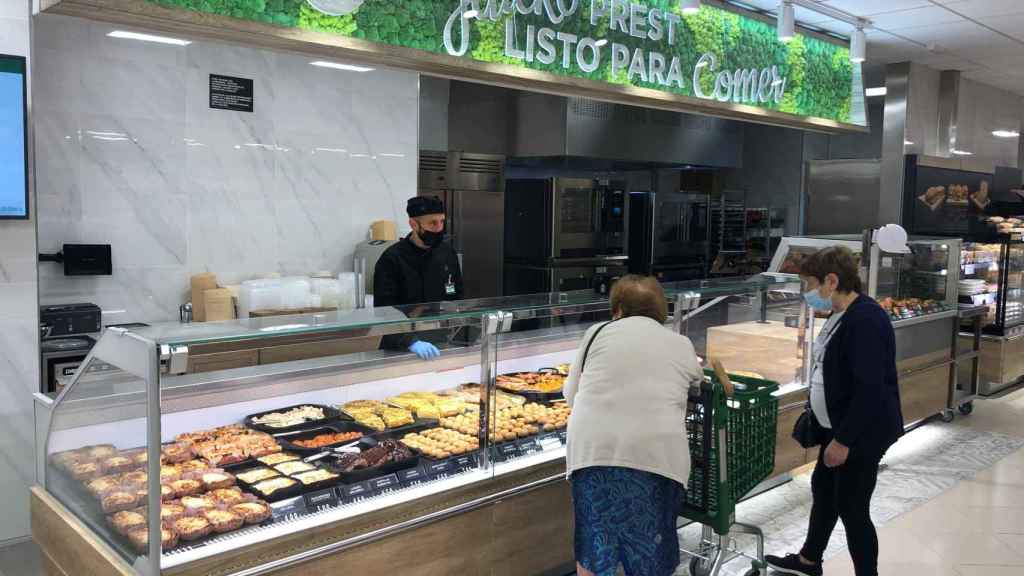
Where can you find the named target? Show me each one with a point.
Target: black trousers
(844, 493)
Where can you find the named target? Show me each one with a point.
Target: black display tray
(357, 476)
(330, 415)
(297, 490)
(538, 397)
(287, 440)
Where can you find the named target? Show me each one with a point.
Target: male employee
(420, 268)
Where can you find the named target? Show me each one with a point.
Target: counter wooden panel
(1002, 362)
(923, 394)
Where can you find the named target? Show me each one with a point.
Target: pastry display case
(357, 459)
(991, 274)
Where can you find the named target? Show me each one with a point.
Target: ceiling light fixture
(787, 21)
(858, 45)
(124, 34)
(962, 152)
(336, 66)
(470, 14)
(1005, 133)
(689, 6)
(876, 91)
(908, 143)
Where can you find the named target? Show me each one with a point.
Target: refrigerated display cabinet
(161, 417)
(992, 273)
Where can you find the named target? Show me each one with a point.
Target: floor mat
(924, 464)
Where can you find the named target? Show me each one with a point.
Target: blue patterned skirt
(626, 516)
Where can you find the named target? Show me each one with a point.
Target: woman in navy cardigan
(855, 398)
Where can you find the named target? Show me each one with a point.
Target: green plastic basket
(746, 424)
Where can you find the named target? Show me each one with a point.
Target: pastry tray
(330, 415)
(286, 440)
(534, 396)
(297, 490)
(356, 476)
(417, 425)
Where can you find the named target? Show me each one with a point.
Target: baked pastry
(370, 420)
(395, 417)
(269, 487)
(274, 459)
(103, 484)
(166, 492)
(328, 439)
(65, 460)
(224, 520)
(184, 488)
(177, 453)
(289, 468)
(140, 539)
(192, 527)
(169, 473)
(193, 466)
(117, 465)
(138, 477)
(293, 417)
(315, 476)
(252, 512)
(171, 511)
(214, 480)
(198, 502)
(85, 471)
(226, 495)
(119, 500)
(371, 406)
(257, 475)
(127, 520)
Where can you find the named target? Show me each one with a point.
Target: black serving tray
(537, 397)
(356, 476)
(330, 415)
(287, 440)
(285, 494)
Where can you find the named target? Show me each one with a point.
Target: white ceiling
(982, 38)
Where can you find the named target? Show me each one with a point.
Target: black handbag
(807, 432)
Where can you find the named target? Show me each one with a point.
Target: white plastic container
(326, 292)
(347, 291)
(258, 295)
(295, 292)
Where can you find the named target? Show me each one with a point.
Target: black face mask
(431, 239)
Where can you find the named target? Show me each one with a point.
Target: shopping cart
(743, 425)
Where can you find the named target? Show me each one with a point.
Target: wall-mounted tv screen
(13, 143)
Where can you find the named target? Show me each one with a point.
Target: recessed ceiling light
(336, 66)
(908, 143)
(1005, 133)
(470, 14)
(148, 38)
(962, 152)
(876, 91)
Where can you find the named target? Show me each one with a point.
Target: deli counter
(360, 459)
(368, 460)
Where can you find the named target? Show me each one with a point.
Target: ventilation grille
(471, 165)
(433, 162)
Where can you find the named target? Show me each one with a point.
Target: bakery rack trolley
(735, 416)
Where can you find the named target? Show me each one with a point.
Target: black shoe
(791, 564)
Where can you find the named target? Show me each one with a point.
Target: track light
(787, 21)
(689, 6)
(858, 45)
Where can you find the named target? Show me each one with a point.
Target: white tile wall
(129, 153)
(19, 348)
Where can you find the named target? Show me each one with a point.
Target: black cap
(423, 205)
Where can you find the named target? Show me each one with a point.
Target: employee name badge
(449, 287)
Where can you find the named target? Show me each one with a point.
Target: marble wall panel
(131, 154)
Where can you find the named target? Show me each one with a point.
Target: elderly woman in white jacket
(628, 456)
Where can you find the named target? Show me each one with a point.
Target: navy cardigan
(861, 385)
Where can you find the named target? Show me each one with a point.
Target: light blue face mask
(816, 301)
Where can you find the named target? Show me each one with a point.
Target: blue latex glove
(425, 350)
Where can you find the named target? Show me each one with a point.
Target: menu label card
(288, 507)
(358, 491)
(231, 93)
(507, 451)
(412, 476)
(561, 436)
(442, 468)
(465, 462)
(385, 483)
(323, 498)
(529, 446)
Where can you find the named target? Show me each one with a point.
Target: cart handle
(723, 376)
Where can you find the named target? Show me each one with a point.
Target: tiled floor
(975, 529)
(20, 560)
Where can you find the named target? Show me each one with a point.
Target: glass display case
(909, 286)
(991, 274)
(272, 441)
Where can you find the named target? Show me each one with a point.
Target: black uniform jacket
(861, 387)
(407, 274)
